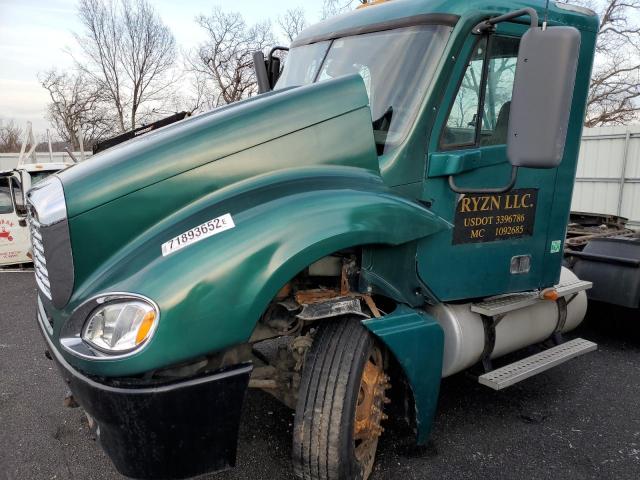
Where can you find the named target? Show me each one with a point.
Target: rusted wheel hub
(369, 415)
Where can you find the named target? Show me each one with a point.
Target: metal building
(608, 177)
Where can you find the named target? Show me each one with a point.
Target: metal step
(538, 363)
(515, 301)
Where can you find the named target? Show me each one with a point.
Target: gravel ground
(577, 421)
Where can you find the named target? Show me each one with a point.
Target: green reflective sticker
(555, 246)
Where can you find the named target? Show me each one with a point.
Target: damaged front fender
(417, 342)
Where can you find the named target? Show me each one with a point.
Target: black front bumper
(171, 431)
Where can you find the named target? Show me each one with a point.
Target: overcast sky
(34, 35)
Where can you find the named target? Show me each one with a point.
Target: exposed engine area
(324, 290)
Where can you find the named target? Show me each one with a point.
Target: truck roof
(444, 11)
(43, 167)
(39, 167)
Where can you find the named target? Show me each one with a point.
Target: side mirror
(262, 73)
(25, 182)
(267, 71)
(542, 93)
(18, 194)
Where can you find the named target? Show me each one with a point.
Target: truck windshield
(39, 176)
(396, 66)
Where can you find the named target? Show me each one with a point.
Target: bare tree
(202, 93)
(615, 82)
(129, 53)
(10, 136)
(76, 106)
(292, 23)
(225, 60)
(195, 94)
(336, 7)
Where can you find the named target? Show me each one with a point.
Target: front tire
(340, 403)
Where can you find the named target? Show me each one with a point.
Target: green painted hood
(197, 141)
(140, 184)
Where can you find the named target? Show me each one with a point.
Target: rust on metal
(369, 414)
(308, 297)
(284, 292)
(344, 280)
(372, 305)
(584, 227)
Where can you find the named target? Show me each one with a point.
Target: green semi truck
(391, 213)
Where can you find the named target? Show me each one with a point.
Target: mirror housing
(267, 71)
(542, 94)
(20, 207)
(262, 73)
(24, 178)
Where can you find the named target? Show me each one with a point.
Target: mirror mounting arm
(506, 188)
(489, 25)
(267, 71)
(276, 49)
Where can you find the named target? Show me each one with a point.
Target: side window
(5, 197)
(503, 56)
(480, 113)
(463, 118)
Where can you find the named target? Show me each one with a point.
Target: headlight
(120, 327)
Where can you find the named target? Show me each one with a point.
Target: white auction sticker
(206, 230)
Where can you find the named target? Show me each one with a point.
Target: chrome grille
(39, 261)
(50, 241)
(45, 320)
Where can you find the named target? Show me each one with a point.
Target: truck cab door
(498, 240)
(14, 238)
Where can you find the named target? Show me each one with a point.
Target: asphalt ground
(577, 421)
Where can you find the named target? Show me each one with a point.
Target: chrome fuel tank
(465, 335)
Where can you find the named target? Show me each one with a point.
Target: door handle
(506, 188)
(451, 163)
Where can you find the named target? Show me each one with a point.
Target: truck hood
(194, 142)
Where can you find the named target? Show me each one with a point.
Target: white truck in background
(14, 239)
(15, 244)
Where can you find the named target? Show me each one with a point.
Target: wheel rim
(369, 415)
